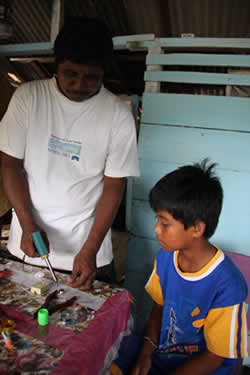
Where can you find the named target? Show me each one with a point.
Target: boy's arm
(144, 360)
(202, 364)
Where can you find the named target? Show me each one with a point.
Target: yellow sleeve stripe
(153, 287)
(225, 331)
(217, 331)
(239, 339)
(234, 331)
(244, 333)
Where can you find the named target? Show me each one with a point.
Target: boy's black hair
(190, 193)
(84, 41)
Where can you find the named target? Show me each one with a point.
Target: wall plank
(198, 78)
(199, 59)
(214, 112)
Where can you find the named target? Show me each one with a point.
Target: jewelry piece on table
(39, 275)
(26, 267)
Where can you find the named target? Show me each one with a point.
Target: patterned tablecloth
(80, 339)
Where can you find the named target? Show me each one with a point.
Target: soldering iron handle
(39, 244)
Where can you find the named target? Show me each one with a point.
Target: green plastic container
(43, 317)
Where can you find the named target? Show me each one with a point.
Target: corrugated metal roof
(164, 18)
(31, 21)
(210, 18)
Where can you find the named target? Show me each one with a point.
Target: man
(67, 145)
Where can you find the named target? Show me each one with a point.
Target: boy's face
(171, 233)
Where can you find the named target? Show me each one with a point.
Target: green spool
(43, 317)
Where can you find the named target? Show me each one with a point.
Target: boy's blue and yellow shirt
(201, 310)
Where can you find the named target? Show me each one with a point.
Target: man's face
(79, 82)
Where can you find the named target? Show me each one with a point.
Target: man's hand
(27, 244)
(84, 266)
(84, 270)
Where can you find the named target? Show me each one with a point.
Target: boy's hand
(144, 361)
(143, 365)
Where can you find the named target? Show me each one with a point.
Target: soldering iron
(43, 251)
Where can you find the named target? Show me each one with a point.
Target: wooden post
(153, 86)
(57, 18)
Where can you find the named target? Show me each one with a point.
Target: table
(81, 339)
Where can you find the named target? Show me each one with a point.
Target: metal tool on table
(6, 327)
(6, 324)
(43, 251)
(51, 306)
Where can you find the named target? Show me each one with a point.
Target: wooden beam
(28, 60)
(57, 18)
(205, 43)
(198, 78)
(151, 86)
(27, 49)
(38, 70)
(198, 59)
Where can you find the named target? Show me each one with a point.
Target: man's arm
(144, 360)
(16, 187)
(84, 267)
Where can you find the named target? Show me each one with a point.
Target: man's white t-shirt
(67, 148)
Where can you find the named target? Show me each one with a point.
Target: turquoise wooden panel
(141, 254)
(143, 221)
(135, 283)
(140, 261)
(205, 43)
(163, 149)
(198, 78)
(132, 41)
(129, 199)
(198, 59)
(151, 172)
(221, 44)
(213, 112)
(183, 145)
(27, 49)
(232, 233)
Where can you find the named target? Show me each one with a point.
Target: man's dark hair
(189, 194)
(84, 41)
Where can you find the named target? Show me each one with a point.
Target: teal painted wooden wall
(178, 129)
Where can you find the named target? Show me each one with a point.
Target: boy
(198, 323)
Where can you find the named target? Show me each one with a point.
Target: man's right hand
(27, 244)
